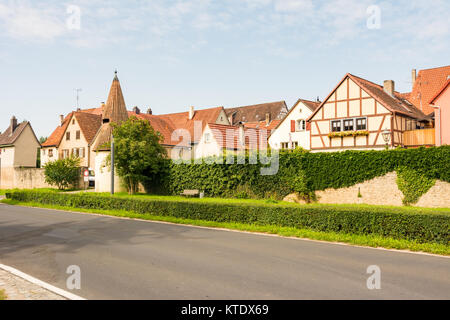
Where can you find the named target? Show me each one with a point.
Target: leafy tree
(139, 156)
(63, 173)
(38, 159)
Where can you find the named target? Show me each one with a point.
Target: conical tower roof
(115, 109)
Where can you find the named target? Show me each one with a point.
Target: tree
(38, 159)
(139, 156)
(63, 173)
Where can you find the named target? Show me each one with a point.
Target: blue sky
(173, 54)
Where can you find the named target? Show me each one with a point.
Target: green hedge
(323, 170)
(419, 225)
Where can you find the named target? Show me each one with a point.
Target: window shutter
(292, 125)
(308, 126)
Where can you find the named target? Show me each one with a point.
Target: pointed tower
(114, 111)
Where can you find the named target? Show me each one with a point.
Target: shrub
(321, 171)
(417, 225)
(63, 173)
(413, 184)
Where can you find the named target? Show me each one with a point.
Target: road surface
(130, 259)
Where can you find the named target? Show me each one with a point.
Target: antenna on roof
(78, 97)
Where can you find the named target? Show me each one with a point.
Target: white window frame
(300, 125)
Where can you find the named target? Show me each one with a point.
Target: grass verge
(360, 240)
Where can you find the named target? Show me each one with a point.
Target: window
(294, 145)
(67, 136)
(285, 145)
(65, 153)
(336, 126)
(361, 124)
(207, 137)
(50, 153)
(348, 125)
(301, 125)
(73, 121)
(82, 155)
(78, 135)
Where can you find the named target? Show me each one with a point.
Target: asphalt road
(129, 259)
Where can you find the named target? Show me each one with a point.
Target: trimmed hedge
(323, 170)
(420, 226)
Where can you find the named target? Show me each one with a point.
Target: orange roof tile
(426, 86)
(228, 136)
(440, 92)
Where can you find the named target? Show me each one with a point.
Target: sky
(172, 54)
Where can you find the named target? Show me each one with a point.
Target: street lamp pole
(112, 165)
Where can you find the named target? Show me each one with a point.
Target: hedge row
(323, 170)
(420, 226)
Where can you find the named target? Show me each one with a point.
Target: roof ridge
(442, 67)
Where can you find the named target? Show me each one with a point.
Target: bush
(413, 184)
(417, 225)
(320, 170)
(63, 173)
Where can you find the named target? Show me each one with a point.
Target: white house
(293, 131)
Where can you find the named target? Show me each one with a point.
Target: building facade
(294, 130)
(361, 115)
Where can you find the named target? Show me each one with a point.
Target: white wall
(281, 134)
(103, 175)
(206, 149)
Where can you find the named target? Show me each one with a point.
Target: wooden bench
(190, 193)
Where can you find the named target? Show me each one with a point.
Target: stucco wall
(281, 134)
(26, 147)
(103, 175)
(443, 118)
(23, 178)
(383, 191)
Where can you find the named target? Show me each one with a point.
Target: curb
(45, 285)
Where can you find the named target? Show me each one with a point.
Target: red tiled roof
(88, 119)
(262, 125)
(426, 86)
(228, 136)
(89, 124)
(55, 138)
(440, 91)
(166, 124)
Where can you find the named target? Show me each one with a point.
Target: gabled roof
(55, 138)
(311, 105)
(427, 84)
(89, 121)
(89, 124)
(257, 112)
(440, 92)
(396, 103)
(6, 138)
(229, 141)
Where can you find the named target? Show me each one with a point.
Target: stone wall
(382, 191)
(23, 178)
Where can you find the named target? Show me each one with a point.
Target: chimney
(389, 87)
(267, 119)
(191, 112)
(414, 76)
(61, 118)
(136, 110)
(13, 124)
(149, 111)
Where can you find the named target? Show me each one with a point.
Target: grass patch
(361, 240)
(3, 295)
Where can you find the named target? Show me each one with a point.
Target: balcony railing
(416, 138)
